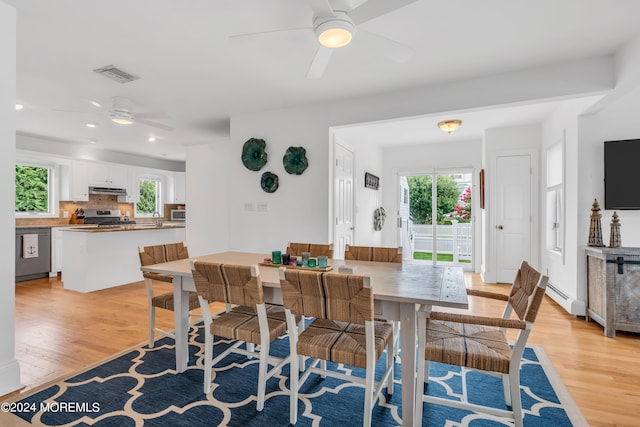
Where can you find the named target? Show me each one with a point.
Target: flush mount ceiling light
(334, 32)
(449, 125)
(121, 117)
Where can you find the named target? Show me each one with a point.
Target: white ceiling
(191, 70)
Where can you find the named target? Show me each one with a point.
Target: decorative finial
(595, 229)
(615, 241)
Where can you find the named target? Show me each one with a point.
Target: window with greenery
(34, 189)
(420, 197)
(150, 200)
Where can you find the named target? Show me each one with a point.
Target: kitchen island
(95, 258)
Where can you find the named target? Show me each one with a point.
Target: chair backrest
(244, 286)
(157, 254)
(314, 249)
(373, 253)
(527, 292)
(341, 297)
(209, 281)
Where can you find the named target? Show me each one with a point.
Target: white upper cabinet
(108, 175)
(78, 181)
(179, 187)
(133, 185)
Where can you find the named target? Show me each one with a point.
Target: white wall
(562, 125)
(368, 159)
(9, 367)
(505, 141)
(208, 186)
(301, 208)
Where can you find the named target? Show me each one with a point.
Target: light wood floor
(59, 331)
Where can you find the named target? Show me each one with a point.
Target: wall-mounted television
(622, 174)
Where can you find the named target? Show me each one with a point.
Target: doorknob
(499, 227)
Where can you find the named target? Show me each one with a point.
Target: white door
(513, 215)
(343, 200)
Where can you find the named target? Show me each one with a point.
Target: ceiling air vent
(116, 74)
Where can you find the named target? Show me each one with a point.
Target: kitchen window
(150, 200)
(34, 184)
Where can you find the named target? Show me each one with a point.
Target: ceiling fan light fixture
(121, 117)
(449, 125)
(334, 32)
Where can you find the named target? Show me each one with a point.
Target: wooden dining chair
(378, 254)
(314, 249)
(157, 254)
(480, 342)
(251, 321)
(373, 253)
(343, 332)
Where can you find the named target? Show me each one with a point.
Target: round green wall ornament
(254, 156)
(295, 160)
(269, 182)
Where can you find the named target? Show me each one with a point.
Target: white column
(9, 367)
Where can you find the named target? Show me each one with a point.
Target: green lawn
(441, 257)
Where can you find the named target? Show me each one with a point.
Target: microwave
(178, 215)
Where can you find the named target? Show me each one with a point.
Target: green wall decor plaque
(254, 156)
(295, 160)
(269, 182)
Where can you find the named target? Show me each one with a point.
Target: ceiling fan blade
(389, 48)
(154, 124)
(152, 116)
(321, 8)
(374, 8)
(270, 32)
(319, 62)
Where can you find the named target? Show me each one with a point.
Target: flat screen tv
(622, 174)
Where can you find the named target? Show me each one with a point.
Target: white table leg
(408, 365)
(181, 322)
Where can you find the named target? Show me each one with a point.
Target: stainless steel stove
(105, 218)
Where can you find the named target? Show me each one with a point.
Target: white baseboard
(9, 377)
(570, 304)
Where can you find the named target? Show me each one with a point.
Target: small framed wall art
(371, 181)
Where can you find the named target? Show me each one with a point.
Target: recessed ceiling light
(152, 139)
(93, 141)
(19, 106)
(95, 104)
(91, 125)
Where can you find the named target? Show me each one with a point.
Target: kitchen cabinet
(78, 181)
(179, 187)
(56, 250)
(133, 185)
(107, 175)
(613, 288)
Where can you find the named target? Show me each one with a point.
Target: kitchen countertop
(110, 229)
(140, 225)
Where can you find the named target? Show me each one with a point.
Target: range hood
(108, 191)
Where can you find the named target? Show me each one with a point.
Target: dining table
(399, 289)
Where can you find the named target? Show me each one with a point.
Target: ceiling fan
(121, 112)
(335, 23)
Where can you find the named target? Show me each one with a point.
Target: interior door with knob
(343, 200)
(513, 215)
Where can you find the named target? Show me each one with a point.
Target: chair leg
(516, 403)
(152, 325)
(390, 364)
(294, 368)
(507, 389)
(208, 361)
(368, 396)
(262, 375)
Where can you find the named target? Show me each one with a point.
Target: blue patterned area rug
(140, 387)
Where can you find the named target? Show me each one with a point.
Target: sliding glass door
(439, 217)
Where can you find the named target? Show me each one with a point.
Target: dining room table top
(420, 283)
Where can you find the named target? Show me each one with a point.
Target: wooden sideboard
(613, 288)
